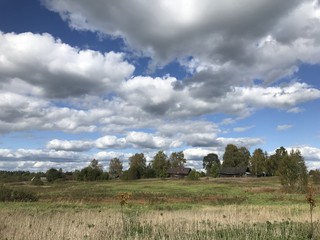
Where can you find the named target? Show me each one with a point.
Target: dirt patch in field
(261, 190)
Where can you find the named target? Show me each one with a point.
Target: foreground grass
(224, 222)
(233, 208)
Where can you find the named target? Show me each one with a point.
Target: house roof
(179, 170)
(233, 170)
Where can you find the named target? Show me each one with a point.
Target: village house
(179, 172)
(234, 172)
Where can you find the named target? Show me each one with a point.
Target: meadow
(222, 208)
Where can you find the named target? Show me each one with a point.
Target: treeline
(289, 166)
(138, 168)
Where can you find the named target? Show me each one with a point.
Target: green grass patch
(207, 191)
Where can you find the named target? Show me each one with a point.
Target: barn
(234, 172)
(178, 172)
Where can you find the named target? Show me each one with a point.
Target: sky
(101, 79)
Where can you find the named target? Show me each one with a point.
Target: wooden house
(178, 172)
(234, 172)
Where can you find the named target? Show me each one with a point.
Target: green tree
(258, 162)
(53, 174)
(315, 176)
(244, 156)
(177, 159)
(235, 157)
(211, 164)
(94, 164)
(137, 167)
(230, 156)
(93, 172)
(150, 172)
(160, 164)
(293, 171)
(274, 161)
(115, 168)
(193, 175)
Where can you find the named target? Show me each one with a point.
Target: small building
(234, 172)
(179, 172)
(44, 179)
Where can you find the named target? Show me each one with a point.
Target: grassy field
(225, 208)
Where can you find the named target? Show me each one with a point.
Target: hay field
(171, 209)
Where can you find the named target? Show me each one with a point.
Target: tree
(315, 176)
(258, 162)
(115, 168)
(193, 175)
(137, 167)
(177, 159)
(53, 174)
(244, 156)
(150, 172)
(293, 171)
(234, 157)
(93, 172)
(94, 164)
(274, 161)
(160, 164)
(211, 164)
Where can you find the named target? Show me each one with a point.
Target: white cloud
(110, 142)
(284, 127)
(295, 110)
(41, 160)
(146, 140)
(248, 40)
(225, 47)
(278, 97)
(195, 153)
(66, 145)
(240, 142)
(185, 22)
(242, 129)
(57, 70)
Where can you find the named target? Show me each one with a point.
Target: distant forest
(289, 166)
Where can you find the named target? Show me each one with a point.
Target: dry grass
(107, 223)
(232, 215)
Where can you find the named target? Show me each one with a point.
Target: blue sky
(103, 79)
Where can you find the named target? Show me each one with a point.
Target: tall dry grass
(108, 223)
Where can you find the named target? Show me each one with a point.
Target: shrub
(193, 175)
(37, 182)
(53, 174)
(10, 195)
(315, 176)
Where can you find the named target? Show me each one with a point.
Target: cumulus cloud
(145, 140)
(280, 97)
(41, 160)
(57, 70)
(228, 42)
(224, 47)
(110, 142)
(178, 33)
(66, 145)
(241, 142)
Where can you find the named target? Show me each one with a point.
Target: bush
(53, 174)
(193, 175)
(315, 176)
(37, 182)
(9, 195)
